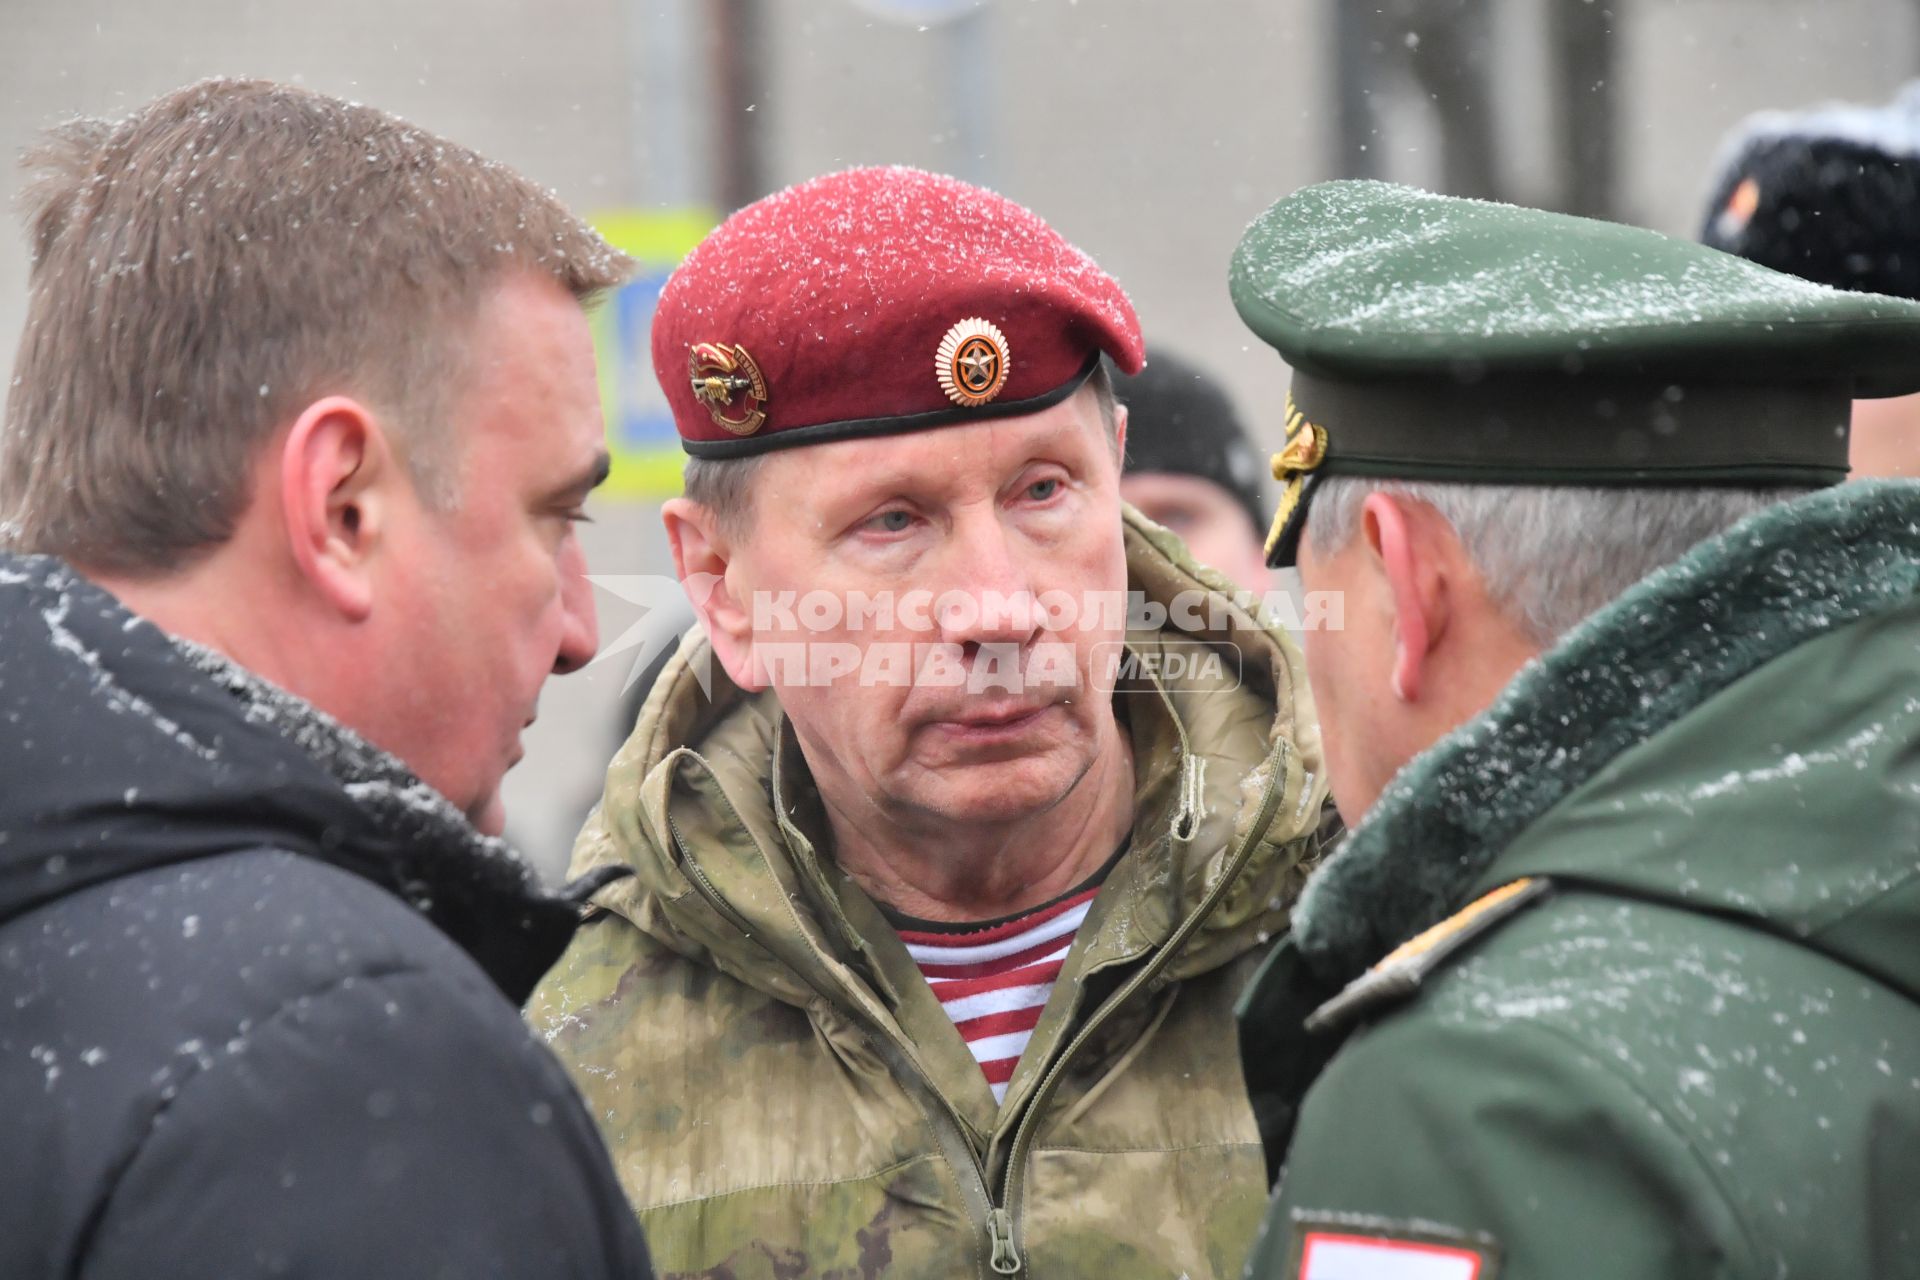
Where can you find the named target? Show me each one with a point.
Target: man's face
(492, 591)
(1361, 732)
(1026, 505)
(1208, 519)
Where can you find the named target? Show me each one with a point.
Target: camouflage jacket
(782, 1092)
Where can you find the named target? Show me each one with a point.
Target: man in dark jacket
(302, 418)
(1617, 973)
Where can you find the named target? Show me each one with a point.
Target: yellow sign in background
(646, 449)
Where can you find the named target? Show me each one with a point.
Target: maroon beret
(877, 301)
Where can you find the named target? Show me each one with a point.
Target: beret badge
(1305, 450)
(723, 377)
(972, 363)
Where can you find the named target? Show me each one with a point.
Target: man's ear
(1414, 583)
(333, 472)
(702, 554)
(1120, 435)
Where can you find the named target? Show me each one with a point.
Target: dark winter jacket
(258, 987)
(1683, 1040)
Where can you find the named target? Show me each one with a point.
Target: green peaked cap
(1439, 339)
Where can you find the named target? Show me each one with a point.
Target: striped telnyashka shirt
(994, 980)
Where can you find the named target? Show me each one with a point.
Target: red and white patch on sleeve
(1349, 1255)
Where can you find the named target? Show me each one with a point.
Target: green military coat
(1688, 1044)
(782, 1092)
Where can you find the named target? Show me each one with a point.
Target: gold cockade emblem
(723, 375)
(1306, 449)
(973, 362)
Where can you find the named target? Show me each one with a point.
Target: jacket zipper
(1006, 1258)
(952, 1136)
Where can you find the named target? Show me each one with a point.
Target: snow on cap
(876, 301)
(1456, 341)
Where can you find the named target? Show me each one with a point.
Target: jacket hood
(126, 749)
(1737, 734)
(729, 877)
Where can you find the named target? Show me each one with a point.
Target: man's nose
(580, 622)
(987, 594)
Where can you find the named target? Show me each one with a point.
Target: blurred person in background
(1192, 468)
(303, 416)
(917, 976)
(1832, 195)
(1618, 973)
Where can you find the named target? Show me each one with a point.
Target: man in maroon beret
(944, 891)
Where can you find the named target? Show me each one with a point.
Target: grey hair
(724, 486)
(1550, 556)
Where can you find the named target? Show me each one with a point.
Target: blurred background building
(1148, 131)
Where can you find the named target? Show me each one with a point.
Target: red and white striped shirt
(994, 979)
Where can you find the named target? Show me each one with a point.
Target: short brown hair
(724, 486)
(206, 268)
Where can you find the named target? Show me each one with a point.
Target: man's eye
(579, 516)
(1041, 490)
(891, 522)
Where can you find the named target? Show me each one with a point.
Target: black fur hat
(1831, 195)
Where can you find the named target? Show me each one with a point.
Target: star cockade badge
(972, 362)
